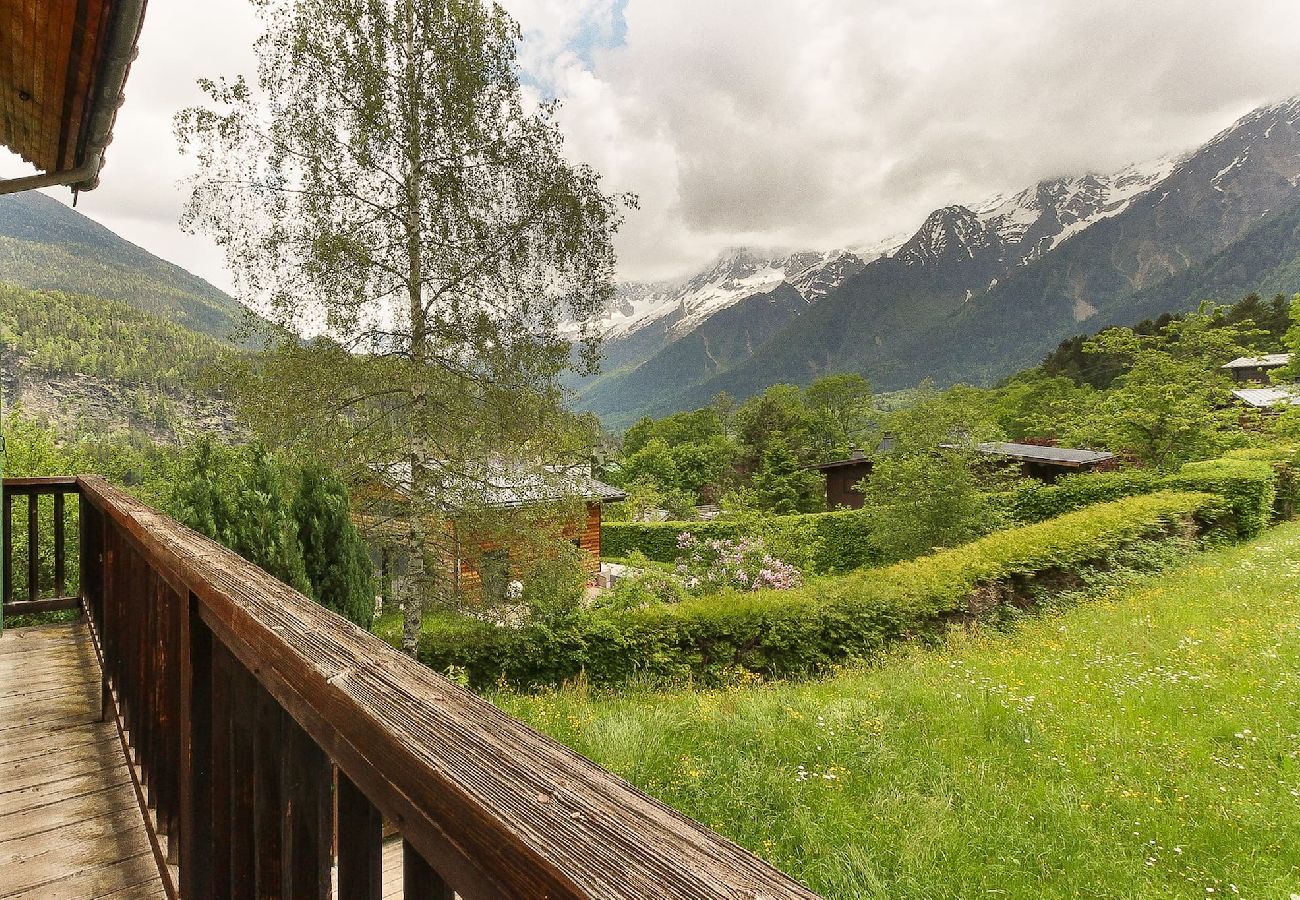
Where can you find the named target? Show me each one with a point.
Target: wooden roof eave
(102, 98)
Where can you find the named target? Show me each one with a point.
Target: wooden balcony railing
(42, 588)
(271, 740)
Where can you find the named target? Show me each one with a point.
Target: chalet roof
(1052, 456)
(63, 67)
(1267, 361)
(859, 456)
(841, 463)
(506, 487)
(1267, 397)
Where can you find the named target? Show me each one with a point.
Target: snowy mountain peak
(1041, 217)
(951, 234)
(736, 274)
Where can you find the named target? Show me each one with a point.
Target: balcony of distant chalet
(202, 730)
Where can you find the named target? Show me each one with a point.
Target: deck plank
(70, 825)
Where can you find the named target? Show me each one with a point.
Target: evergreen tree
(784, 486)
(337, 561)
(265, 530)
(239, 499)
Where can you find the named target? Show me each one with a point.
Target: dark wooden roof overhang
(63, 67)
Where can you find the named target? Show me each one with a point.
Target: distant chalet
(1268, 397)
(1046, 463)
(1248, 369)
(841, 476)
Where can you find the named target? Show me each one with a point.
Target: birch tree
(383, 186)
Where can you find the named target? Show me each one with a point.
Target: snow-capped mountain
(679, 307)
(951, 236)
(979, 290)
(1034, 221)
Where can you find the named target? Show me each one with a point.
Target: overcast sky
(787, 123)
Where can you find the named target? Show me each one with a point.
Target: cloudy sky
(788, 123)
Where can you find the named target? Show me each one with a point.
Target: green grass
(1146, 744)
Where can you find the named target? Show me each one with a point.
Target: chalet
(487, 565)
(200, 730)
(1256, 369)
(842, 476)
(1046, 463)
(538, 491)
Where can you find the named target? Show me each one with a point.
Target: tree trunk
(419, 486)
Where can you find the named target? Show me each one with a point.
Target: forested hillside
(89, 365)
(47, 246)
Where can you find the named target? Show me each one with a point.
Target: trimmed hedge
(1247, 486)
(1036, 502)
(1247, 482)
(826, 622)
(843, 538)
(1285, 461)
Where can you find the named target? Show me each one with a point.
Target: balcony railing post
(33, 548)
(196, 755)
(268, 836)
(7, 565)
(419, 880)
(60, 570)
(360, 836)
(304, 780)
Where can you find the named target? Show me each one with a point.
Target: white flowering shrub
(706, 566)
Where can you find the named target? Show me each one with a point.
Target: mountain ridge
(980, 291)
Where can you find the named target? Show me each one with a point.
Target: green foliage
(1035, 501)
(931, 489)
(240, 498)
(810, 629)
(1285, 460)
(648, 586)
(1247, 486)
(1291, 340)
(67, 334)
(554, 583)
(784, 487)
(815, 543)
(842, 406)
(1246, 481)
(335, 558)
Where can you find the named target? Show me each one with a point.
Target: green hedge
(1247, 487)
(841, 540)
(826, 622)
(1035, 501)
(1285, 460)
(1247, 482)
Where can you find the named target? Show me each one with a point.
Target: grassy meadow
(1145, 744)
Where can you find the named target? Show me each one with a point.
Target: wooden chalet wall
(586, 534)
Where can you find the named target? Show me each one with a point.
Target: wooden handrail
(273, 737)
(40, 597)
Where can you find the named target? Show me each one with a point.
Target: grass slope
(1147, 745)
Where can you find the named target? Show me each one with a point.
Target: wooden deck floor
(70, 825)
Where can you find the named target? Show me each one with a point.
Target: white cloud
(836, 122)
(817, 124)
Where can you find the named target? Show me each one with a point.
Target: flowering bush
(745, 565)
